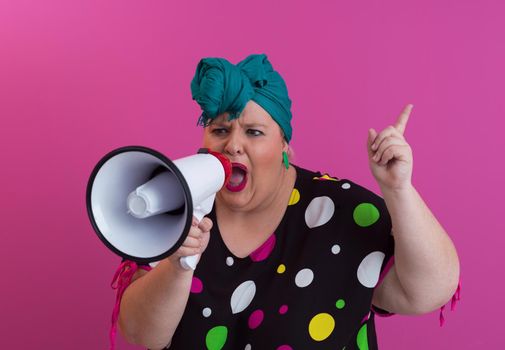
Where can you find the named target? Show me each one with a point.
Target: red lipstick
(238, 178)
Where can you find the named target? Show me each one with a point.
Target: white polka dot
(248, 347)
(304, 278)
(335, 249)
(346, 186)
(369, 269)
(206, 312)
(229, 261)
(242, 296)
(319, 211)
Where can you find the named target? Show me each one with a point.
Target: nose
(234, 145)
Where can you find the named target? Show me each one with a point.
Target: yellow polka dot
(321, 326)
(281, 268)
(295, 197)
(326, 177)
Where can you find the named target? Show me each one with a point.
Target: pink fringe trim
(122, 279)
(455, 298)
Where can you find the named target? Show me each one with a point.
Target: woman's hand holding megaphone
(195, 242)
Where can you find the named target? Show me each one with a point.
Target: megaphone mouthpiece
(225, 162)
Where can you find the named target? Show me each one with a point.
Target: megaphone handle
(190, 262)
(199, 213)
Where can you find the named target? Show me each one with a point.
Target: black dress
(309, 286)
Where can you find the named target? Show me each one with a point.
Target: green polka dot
(366, 214)
(340, 304)
(362, 338)
(216, 338)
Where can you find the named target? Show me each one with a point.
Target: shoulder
(331, 185)
(344, 194)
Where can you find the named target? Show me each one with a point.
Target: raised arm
(426, 270)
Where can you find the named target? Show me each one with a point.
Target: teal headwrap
(219, 86)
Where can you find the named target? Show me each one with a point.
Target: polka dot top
(308, 286)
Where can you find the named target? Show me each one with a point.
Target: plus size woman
(290, 258)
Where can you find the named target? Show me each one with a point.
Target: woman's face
(254, 144)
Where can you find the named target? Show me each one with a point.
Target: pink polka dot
(255, 319)
(367, 316)
(284, 347)
(196, 285)
(264, 251)
(283, 309)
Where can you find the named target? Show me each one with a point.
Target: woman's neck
(276, 200)
(243, 230)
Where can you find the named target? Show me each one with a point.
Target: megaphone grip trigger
(189, 262)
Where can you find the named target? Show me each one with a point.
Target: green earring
(285, 159)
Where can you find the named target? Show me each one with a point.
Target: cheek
(210, 143)
(266, 171)
(272, 157)
(268, 157)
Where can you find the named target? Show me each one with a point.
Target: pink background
(79, 78)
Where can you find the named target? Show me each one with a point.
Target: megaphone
(141, 204)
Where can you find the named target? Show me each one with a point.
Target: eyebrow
(213, 122)
(227, 123)
(254, 125)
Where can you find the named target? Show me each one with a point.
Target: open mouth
(238, 178)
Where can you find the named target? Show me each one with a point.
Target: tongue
(237, 176)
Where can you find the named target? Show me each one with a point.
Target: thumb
(372, 134)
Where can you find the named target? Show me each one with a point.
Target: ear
(285, 145)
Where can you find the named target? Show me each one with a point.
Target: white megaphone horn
(141, 204)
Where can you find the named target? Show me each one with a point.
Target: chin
(235, 200)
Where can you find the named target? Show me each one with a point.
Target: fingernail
(374, 146)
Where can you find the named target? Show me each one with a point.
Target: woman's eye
(254, 132)
(219, 131)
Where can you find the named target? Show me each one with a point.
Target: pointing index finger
(401, 122)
